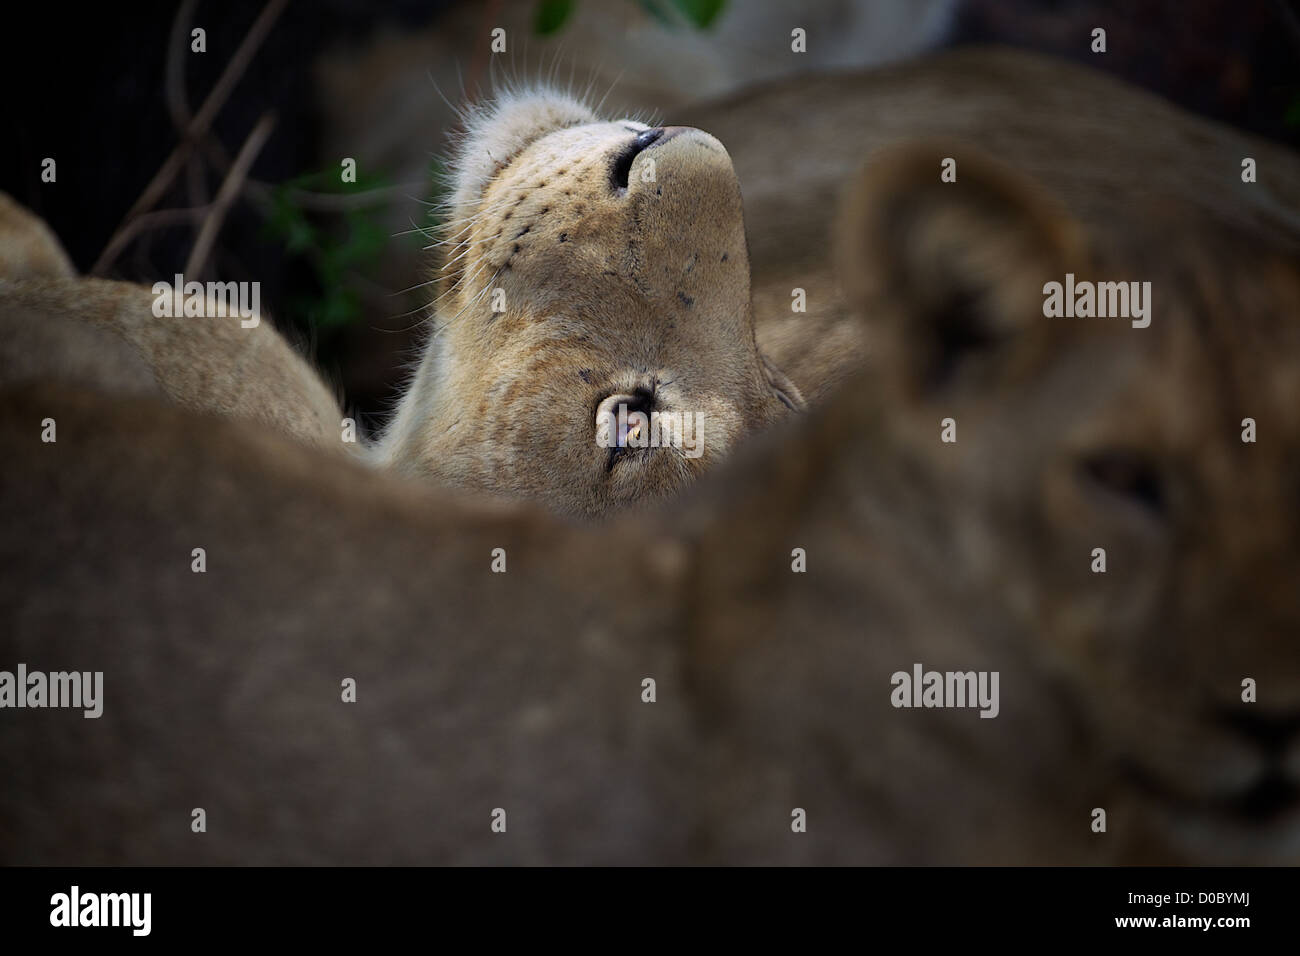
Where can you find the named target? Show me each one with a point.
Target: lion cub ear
(948, 270)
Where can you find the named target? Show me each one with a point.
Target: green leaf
(701, 13)
(354, 242)
(288, 224)
(364, 242)
(551, 15)
(337, 310)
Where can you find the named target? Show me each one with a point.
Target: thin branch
(230, 188)
(203, 118)
(178, 107)
(174, 84)
(260, 190)
(336, 202)
(151, 220)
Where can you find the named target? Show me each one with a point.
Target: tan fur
(1106, 150)
(27, 246)
(208, 364)
(1081, 433)
(608, 290)
(40, 342)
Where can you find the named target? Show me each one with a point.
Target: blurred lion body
(1106, 150)
(205, 363)
(1074, 441)
(55, 322)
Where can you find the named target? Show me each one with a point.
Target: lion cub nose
(646, 137)
(660, 135)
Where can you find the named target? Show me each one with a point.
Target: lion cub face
(1081, 435)
(589, 268)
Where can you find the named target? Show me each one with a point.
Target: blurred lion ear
(28, 247)
(782, 387)
(946, 253)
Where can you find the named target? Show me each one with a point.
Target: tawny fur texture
(209, 364)
(524, 690)
(1106, 149)
(1121, 690)
(584, 263)
(27, 246)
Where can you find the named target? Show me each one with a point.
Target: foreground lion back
(227, 690)
(518, 697)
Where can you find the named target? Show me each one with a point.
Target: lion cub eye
(1129, 475)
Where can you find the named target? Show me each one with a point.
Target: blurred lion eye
(1128, 475)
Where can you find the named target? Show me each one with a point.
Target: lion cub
(592, 344)
(587, 267)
